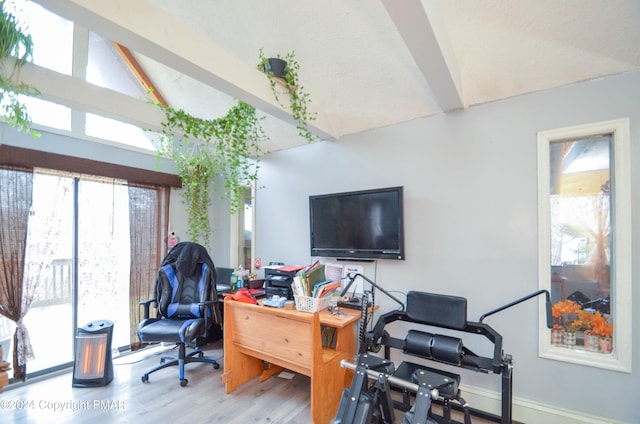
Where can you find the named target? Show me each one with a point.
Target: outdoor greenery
(203, 149)
(299, 99)
(17, 43)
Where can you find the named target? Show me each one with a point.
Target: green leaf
(14, 41)
(203, 149)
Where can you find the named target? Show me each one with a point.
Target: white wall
(470, 221)
(219, 218)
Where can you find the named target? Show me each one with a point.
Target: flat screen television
(366, 224)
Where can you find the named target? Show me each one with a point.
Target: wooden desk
(4, 379)
(289, 339)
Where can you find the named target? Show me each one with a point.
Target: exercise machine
(368, 399)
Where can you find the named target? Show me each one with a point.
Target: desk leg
(270, 372)
(326, 391)
(238, 367)
(329, 381)
(346, 342)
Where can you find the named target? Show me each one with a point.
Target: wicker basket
(312, 304)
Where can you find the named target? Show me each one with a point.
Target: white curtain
(43, 233)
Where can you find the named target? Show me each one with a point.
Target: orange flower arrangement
(585, 322)
(601, 327)
(565, 307)
(569, 318)
(561, 308)
(589, 322)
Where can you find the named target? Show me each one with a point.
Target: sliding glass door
(49, 272)
(104, 256)
(78, 263)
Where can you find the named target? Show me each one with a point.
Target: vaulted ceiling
(365, 63)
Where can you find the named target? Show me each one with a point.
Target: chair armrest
(209, 311)
(146, 304)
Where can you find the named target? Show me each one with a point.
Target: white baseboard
(527, 411)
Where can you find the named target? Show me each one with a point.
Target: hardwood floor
(127, 399)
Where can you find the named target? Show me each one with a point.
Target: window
(93, 59)
(92, 250)
(52, 35)
(111, 129)
(243, 239)
(584, 243)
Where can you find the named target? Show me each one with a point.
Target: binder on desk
(314, 276)
(326, 288)
(318, 287)
(291, 268)
(297, 287)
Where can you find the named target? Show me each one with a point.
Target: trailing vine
(227, 147)
(14, 42)
(299, 99)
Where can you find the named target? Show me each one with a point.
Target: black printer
(278, 282)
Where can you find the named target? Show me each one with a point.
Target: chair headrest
(186, 255)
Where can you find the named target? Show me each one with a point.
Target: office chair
(186, 302)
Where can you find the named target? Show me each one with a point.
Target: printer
(277, 281)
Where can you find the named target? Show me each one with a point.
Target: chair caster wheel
(216, 366)
(183, 382)
(145, 378)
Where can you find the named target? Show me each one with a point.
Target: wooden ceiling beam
(140, 74)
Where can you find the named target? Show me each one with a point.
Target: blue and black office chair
(186, 300)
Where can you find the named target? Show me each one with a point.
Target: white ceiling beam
(147, 29)
(78, 94)
(420, 25)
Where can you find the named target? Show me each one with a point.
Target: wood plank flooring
(128, 400)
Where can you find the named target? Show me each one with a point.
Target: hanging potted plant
(285, 69)
(274, 67)
(203, 149)
(16, 43)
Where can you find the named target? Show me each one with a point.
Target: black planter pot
(277, 66)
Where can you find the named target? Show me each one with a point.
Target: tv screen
(363, 224)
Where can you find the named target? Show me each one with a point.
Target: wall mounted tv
(366, 224)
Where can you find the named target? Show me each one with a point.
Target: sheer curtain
(148, 208)
(43, 234)
(16, 186)
(103, 254)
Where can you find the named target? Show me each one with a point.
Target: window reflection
(580, 214)
(246, 232)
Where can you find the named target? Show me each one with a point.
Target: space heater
(93, 366)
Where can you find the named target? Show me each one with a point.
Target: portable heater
(94, 364)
